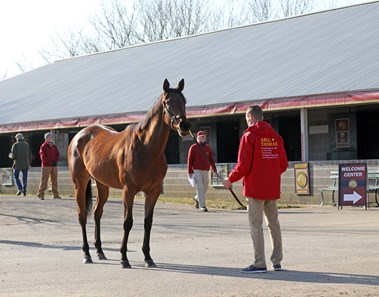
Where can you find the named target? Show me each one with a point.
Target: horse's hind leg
(150, 201)
(82, 187)
(101, 199)
(82, 200)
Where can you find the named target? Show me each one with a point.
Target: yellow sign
(301, 171)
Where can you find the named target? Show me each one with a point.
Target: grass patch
(231, 205)
(220, 204)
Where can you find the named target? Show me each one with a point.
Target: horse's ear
(166, 85)
(181, 85)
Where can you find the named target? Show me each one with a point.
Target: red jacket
(197, 160)
(261, 161)
(49, 154)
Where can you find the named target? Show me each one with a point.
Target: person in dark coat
(22, 158)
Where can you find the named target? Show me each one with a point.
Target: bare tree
(154, 19)
(113, 28)
(328, 4)
(190, 17)
(4, 75)
(295, 7)
(118, 25)
(163, 19)
(230, 13)
(67, 44)
(260, 10)
(22, 64)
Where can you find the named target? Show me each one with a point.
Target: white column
(304, 134)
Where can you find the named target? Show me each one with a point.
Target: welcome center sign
(352, 184)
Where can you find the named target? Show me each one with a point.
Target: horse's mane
(141, 125)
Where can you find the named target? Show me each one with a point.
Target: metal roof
(335, 51)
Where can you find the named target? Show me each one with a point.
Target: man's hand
(227, 183)
(190, 175)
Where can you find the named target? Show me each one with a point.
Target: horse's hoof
(125, 264)
(101, 256)
(150, 264)
(87, 260)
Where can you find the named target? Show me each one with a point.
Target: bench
(333, 187)
(372, 186)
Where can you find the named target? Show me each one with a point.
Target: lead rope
(218, 175)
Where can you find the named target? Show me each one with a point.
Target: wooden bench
(372, 186)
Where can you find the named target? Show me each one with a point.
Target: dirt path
(327, 252)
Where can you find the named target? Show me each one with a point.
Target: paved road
(327, 252)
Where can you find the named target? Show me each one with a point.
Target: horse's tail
(89, 198)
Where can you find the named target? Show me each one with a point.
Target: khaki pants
(201, 179)
(45, 173)
(256, 208)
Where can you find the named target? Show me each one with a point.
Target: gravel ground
(328, 252)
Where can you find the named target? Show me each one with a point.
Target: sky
(26, 26)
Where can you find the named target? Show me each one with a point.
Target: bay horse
(132, 160)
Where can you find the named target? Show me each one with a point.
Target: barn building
(316, 77)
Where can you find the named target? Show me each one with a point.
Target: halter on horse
(132, 160)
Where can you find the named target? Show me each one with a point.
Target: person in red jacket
(261, 161)
(49, 158)
(200, 160)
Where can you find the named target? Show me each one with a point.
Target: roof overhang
(279, 104)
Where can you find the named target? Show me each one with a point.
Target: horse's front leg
(101, 199)
(128, 199)
(150, 201)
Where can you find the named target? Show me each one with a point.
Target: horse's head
(174, 106)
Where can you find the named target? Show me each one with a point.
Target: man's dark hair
(256, 112)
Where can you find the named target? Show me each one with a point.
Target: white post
(304, 134)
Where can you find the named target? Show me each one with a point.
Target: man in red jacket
(200, 159)
(49, 157)
(261, 162)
